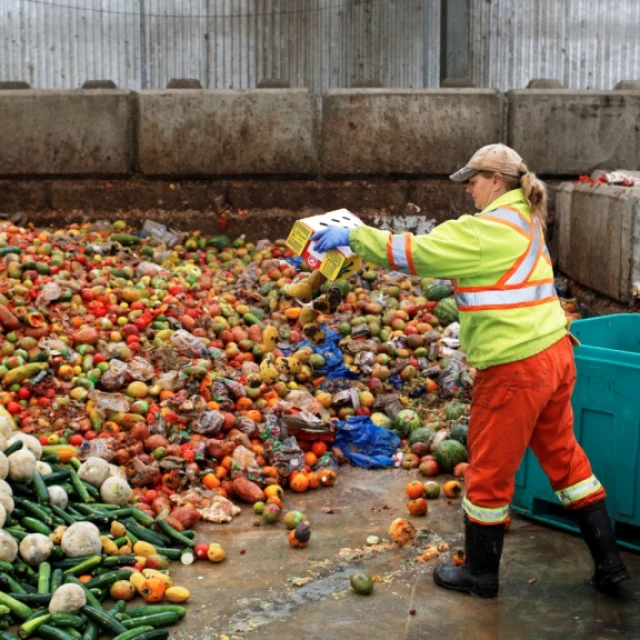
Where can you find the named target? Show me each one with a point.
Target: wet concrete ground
(253, 593)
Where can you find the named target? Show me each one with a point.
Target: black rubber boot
(597, 531)
(479, 573)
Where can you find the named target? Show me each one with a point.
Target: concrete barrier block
(407, 132)
(600, 237)
(66, 132)
(562, 132)
(219, 132)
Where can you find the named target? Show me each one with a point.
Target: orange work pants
(520, 404)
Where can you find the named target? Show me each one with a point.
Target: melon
(453, 411)
(423, 434)
(449, 453)
(437, 291)
(381, 420)
(447, 312)
(459, 432)
(405, 422)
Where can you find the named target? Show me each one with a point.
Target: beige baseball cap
(494, 157)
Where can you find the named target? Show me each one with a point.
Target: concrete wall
(217, 132)
(599, 236)
(427, 131)
(66, 133)
(561, 132)
(287, 133)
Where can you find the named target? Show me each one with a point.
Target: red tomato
(44, 440)
(24, 393)
(76, 440)
(200, 551)
(151, 495)
(90, 435)
(14, 407)
(98, 358)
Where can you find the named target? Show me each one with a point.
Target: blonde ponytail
(535, 192)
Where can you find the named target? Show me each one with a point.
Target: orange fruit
(417, 507)
(452, 489)
(227, 462)
(210, 481)
(319, 448)
(275, 500)
(300, 483)
(314, 480)
(328, 477)
(221, 472)
(274, 491)
(310, 458)
(415, 489)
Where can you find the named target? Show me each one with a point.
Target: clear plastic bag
(109, 402)
(243, 457)
(187, 343)
(140, 369)
(115, 377)
(209, 424)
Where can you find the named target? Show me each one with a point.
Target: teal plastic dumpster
(606, 406)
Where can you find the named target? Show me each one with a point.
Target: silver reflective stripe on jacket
(501, 298)
(399, 253)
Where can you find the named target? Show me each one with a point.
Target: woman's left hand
(330, 238)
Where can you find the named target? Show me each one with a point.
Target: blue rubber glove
(330, 238)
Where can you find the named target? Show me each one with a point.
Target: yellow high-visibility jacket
(499, 261)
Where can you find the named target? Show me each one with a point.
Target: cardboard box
(335, 264)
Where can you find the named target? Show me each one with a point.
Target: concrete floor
(252, 593)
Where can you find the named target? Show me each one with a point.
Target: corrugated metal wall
(319, 44)
(586, 44)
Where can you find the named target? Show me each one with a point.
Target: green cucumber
(107, 579)
(18, 609)
(132, 634)
(62, 514)
(67, 620)
(51, 633)
(36, 526)
(103, 619)
(86, 565)
(80, 488)
(32, 599)
(11, 585)
(92, 632)
(145, 534)
(117, 609)
(18, 534)
(56, 579)
(41, 488)
(35, 510)
(118, 561)
(90, 488)
(74, 633)
(56, 476)
(13, 447)
(170, 553)
(31, 625)
(172, 533)
(7, 635)
(149, 609)
(125, 512)
(159, 619)
(44, 578)
(142, 517)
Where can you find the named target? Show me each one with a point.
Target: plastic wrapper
(140, 369)
(109, 402)
(102, 448)
(169, 380)
(243, 457)
(50, 292)
(209, 424)
(455, 380)
(286, 457)
(365, 444)
(189, 344)
(116, 376)
(150, 269)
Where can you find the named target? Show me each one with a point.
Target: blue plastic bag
(366, 444)
(330, 350)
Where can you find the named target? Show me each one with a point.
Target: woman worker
(514, 333)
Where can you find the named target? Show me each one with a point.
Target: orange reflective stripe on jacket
(399, 253)
(515, 288)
